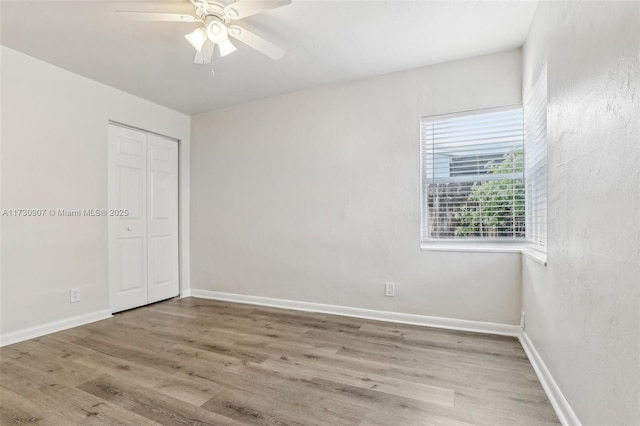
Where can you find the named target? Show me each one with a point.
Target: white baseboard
(185, 293)
(448, 323)
(52, 327)
(558, 401)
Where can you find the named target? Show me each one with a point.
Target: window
(535, 166)
(473, 177)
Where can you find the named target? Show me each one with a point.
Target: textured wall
(54, 155)
(315, 196)
(583, 309)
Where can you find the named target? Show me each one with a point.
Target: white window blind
(535, 170)
(473, 177)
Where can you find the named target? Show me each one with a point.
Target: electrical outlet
(389, 289)
(522, 320)
(74, 295)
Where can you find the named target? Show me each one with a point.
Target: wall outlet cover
(389, 289)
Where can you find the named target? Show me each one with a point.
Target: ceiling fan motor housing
(211, 10)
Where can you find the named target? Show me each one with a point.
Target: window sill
(535, 255)
(472, 247)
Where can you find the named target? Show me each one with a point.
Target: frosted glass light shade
(217, 32)
(197, 38)
(226, 47)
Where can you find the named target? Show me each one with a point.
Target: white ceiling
(326, 41)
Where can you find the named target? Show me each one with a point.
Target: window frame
(500, 245)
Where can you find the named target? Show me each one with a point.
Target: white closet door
(127, 234)
(162, 214)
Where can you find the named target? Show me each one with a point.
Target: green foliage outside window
(494, 208)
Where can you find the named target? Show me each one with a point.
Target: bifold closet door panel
(127, 233)
(162, 218)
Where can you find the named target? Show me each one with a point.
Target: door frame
(182, 291)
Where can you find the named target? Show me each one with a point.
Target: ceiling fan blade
(166, 17)
(258, 43)
(243, 8)
(206, 54)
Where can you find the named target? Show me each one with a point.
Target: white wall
(315, 196)
(583, 308)
(54, 155)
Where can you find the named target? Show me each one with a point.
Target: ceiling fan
(216, 18)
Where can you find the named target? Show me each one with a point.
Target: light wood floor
(199, 362)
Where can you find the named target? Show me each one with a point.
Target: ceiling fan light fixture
(217, 32)
(226, 47)
(197, 38)
(214, 16)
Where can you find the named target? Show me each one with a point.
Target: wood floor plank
(18, 410)
(163, 382)
(202, 362)
(384, 406)
(46, 365)
(178, 334)
(288, 399)
(320, 397)
(152, 405)
(61, 400)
